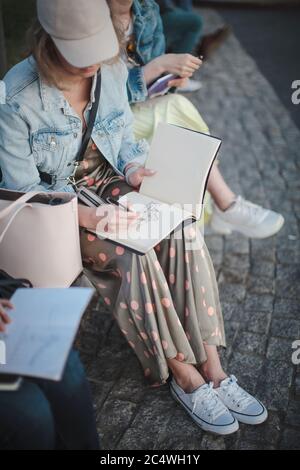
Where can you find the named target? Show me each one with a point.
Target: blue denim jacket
(150, 43)
(2, 92)
(40, 130)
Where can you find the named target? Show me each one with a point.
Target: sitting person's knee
(29, 424)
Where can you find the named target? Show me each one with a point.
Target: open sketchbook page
(43, 328)
(183, 159)
(155, 222)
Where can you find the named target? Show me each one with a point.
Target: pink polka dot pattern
(154, 335)
(166, 302)
(192, 233)
(134, 305)
(165, 344)
(187, 285)
(154, 286)
(172, 252)
(146, 354)
(120, 250)
(144, 336)
(131, 343)
(128, 277)
(138, 317)
(101, 286)
(204, 303)
(186, 257)
(107, 300)
(210, 311)
(186, 311)
(149, 307)
(143, 278)
(172, 278)
(157, 265)
(203, 289)
(131, 321)
(123, 305)
(188, 335)
(124, 332)
(102, 256)
(147, 372)
(91, 237)
(115, 192)
(157, 247)
(197, 268)
(216, 332)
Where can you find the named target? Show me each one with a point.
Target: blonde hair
(45, 53)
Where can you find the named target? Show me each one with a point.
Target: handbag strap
(21, 201)
(51, 179)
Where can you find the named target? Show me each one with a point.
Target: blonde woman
(139, 21)
(166, 302)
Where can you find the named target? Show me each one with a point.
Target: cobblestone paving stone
(258, 281)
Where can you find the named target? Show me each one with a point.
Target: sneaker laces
(249, 210)
(232, 389)
(209, 400)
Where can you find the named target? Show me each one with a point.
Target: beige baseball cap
(82, 30)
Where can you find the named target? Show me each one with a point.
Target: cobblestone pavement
(258, 281)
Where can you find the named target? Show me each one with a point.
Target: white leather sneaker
(192, 85)
(247, 218)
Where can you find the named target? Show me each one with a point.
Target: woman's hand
(183, 65)
(4, 318)
(106, 218)
(136, 177)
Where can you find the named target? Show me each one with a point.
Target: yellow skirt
(173, 109)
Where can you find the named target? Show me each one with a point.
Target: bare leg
(186, 375)
(212, 370)
(219, 190)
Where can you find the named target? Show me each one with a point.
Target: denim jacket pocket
(111, 124)
(111, 129)
(50, 149)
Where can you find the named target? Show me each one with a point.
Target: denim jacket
(2, 92)
(40, 131)
(150, 43)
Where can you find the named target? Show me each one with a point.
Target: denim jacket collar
(52, 97)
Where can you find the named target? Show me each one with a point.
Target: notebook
(40, 336)
(182, 159)
(160, 86)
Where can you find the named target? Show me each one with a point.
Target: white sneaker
(243, 406)
(247, 218)
(192, 85)
(205, 408)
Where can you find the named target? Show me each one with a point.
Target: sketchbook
(183, 159)
(43, 326)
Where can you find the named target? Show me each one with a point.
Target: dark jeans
(182, 30)
(50, 415)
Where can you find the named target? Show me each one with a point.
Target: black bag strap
(50, 179)
(9, 284)
(93, 114)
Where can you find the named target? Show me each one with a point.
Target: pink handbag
(39, 237)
